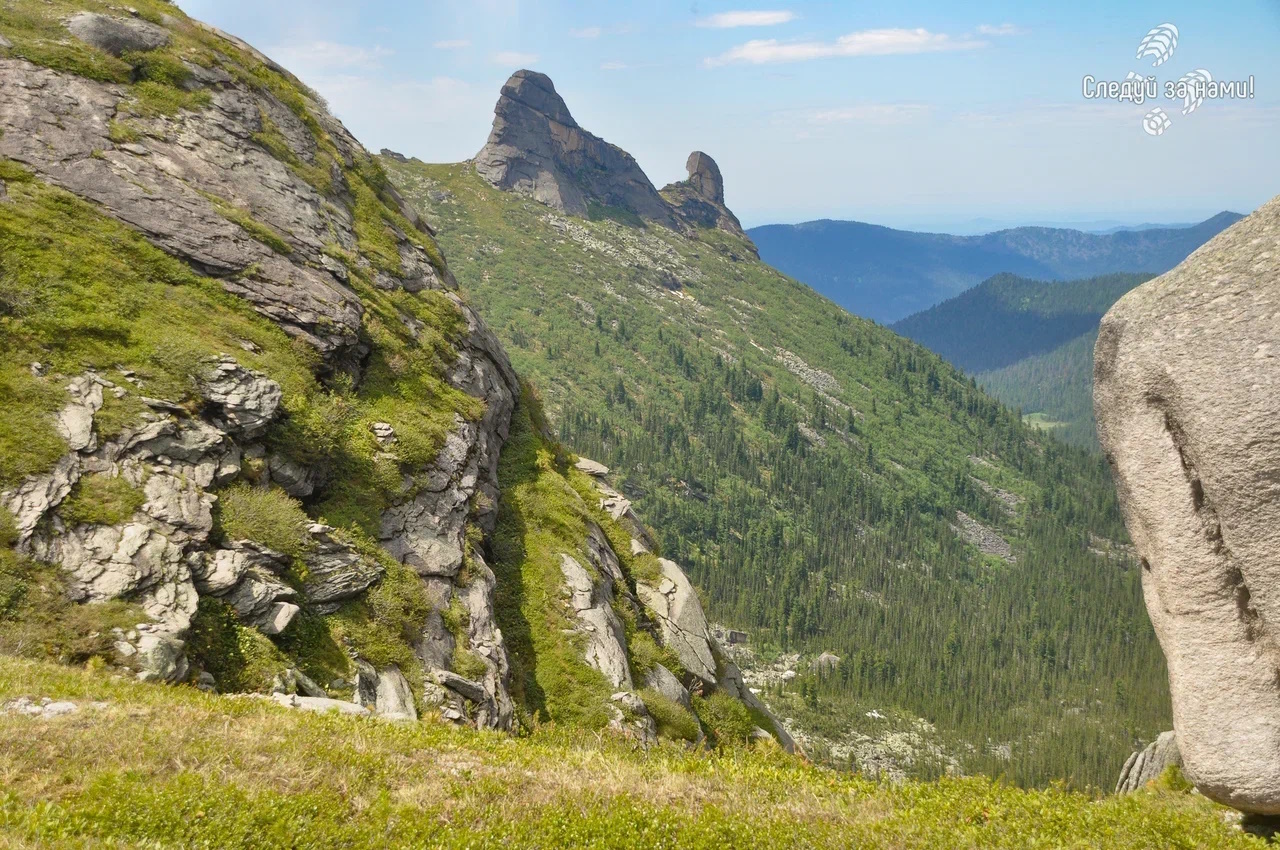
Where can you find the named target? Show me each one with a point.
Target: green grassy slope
(806, 467)
(144, 765)
(80, 290)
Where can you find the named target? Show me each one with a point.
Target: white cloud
(729, 20)
(613, 66)
(871, 113)
(514, 57)
(452, 44)
(586, 32)
(1002, 29)
(879, 42)
(322, 56)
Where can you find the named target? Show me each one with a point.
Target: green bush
(672, 718)
(101, 500)
(241, 659)
(266, 516)
(382, 626)
(728, 722)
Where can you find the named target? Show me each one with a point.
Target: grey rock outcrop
(244, 402)
(58, 125)
(335, 570)
(537, 149)
(665, 682)
(591, 601)
(699, 200)
(117, 35)
(676, 608)
(1148, 763)
(1187, 397)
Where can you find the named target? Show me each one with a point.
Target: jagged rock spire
(704, 177)
(536, 148)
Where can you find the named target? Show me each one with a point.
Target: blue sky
(928, 115)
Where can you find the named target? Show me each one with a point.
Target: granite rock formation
(1187, 397)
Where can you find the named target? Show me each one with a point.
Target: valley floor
(156, 766)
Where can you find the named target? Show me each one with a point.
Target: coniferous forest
(810, 470)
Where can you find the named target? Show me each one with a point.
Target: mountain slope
(886, 274)
(1028, 342)
(252, 438)
(823, 479)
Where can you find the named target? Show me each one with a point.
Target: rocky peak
(699, 199)
(536, 148)
(704, 177)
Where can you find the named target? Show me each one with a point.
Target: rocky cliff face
(1187, 395)
(537, 149)
(193, 483)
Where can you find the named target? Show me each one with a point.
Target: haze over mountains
(886, 274)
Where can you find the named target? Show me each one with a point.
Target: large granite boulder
(537, 149)
(1187, 396)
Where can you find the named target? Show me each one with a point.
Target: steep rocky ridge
(1186, 384)
(537, 149)
(248, 403)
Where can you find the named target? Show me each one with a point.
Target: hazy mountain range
(886, 274)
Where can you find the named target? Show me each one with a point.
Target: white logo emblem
(1159, 44)
(1193, 87)
(1155, 122)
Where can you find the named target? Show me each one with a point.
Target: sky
(923, 114)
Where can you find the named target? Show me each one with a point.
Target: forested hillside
(830, 485)
(887, 274)
(1028, 342)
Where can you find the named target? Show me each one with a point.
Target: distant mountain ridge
(887, 275)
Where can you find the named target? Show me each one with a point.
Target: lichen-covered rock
(1187, 396)
(335, 570)
(243, 402)
(263, 601)
(631, 718)
(665, 682)
(1147, 764)
(394, 697)
(159, 658)
(75, 421)
(117, 35)
(606, 640)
